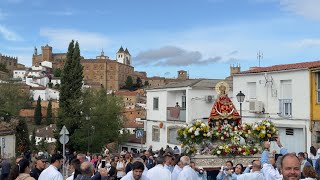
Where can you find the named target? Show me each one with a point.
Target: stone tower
(47, 53)
(182, 75)
(123, 56)
(234, 69)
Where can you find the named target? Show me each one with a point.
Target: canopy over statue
(223, 110)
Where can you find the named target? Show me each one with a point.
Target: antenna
(259, 56)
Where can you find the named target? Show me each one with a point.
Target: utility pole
(259, 56)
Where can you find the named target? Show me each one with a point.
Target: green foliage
(33, 140)
(139, 83)
(22, 137)
(101, 121)
(146, 83)
(49, 113)
(70, 91)
(57, 72)
(12, 100)
(129, 83)
(3, 67)
(43, 145)
(37, 112)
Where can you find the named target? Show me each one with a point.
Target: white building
(44, 93)
(46, 134)
(19, 74)
(279, 93)
(7, 140)
(195, 98)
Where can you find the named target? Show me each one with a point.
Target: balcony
(174, 114)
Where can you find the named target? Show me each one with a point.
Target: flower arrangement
(195, 133)
(235, 150)
(264, 130)
(198, 133)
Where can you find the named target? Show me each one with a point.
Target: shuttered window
(155, 103)
(155, 133)
(252, 88)
(172, 136)
(286, 89)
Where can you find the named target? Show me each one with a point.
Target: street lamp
(240, 98)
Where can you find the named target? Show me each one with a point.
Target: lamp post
(240, 98)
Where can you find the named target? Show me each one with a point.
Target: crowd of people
(162, 164)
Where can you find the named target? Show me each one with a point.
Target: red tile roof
(282, 67)
(125, 93)
(133, 124)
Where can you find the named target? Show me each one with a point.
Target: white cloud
(305, 43)
(88, 41)
(8, 34)
(172, 56)
(306, 8)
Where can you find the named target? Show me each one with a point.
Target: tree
(139, 82)
(70, 91)
(101, 122)
(49, 113)
(146, 83)
(12, 100)
(129, 83)
(22, 137)
(33, 140)
(57, 72)
(37, 112)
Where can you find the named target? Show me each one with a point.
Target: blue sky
(203, 37)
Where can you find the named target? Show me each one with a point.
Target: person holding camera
(227, 172)
(269, 168)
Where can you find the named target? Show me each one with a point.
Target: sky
(203, 37)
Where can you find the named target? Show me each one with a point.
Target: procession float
(224, 137)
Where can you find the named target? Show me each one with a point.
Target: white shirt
(188, 173)
(270, 173)
(129, 176)
(175, 173)
(251, 176)
(51, 173)
(71, 177)
(159, 173)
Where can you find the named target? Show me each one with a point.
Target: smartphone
(103, 164)
(273, 139)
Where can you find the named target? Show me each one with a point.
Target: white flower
(184, 126)
(224, 132)
(249, 132)
(268, 124)
(218, 152)
(190, 130)
(185, 136)
(217, 134)
(254, 149)
(246, 135)
(208, 134)
(256, 125)
(220, 147)
(196, 133)
(244, 153)
(198, 129)
(263, 132)
(203, 125)
(222, 138)
(240, 149)
(240, 132)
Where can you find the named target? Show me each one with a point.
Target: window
(285, 103)
(184, 102)
(172, 135)
(285, 107)
(155, 133)
(252, 90)
(318, 136)
(155, 103)
(318, 87)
